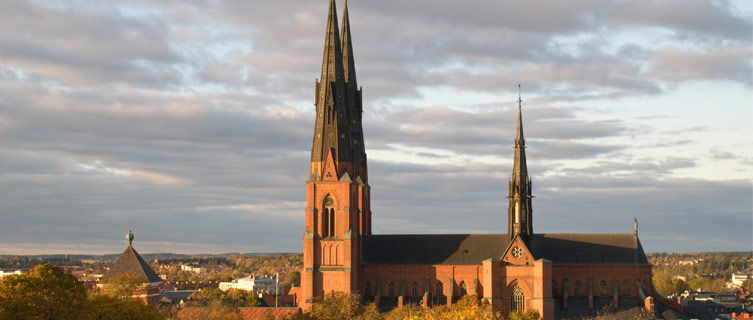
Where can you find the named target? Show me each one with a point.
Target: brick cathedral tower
(519, 212)
(337, 192)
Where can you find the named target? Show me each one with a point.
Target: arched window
(554, 289)
(576, 288)
(328, 217)
(463, 289)
(625, 289)
(325, 223)
(391, 290)
(603, 288)
(367, 289)
(415, 290)
(518, 301)
(334, 258)
(440, 289)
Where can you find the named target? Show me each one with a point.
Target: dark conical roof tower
(354, 98)
(332, 131)
(131, 262)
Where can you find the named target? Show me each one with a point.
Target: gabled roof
(472, 249)
(588, 248)
(131, 261)
(432, 249)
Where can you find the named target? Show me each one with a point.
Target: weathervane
(129, 237)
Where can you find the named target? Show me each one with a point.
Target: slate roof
(588, 248)
(432, 249)
(131, 261)
(472, 249)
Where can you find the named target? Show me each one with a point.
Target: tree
(125, 285)
(45, 292)
(468, 307)
(525, 315)
(748, 284)
(340, 305)
(241, 298)
(107, 307)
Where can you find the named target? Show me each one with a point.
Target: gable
(330, 169)
(518, 253)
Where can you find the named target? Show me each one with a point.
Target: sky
(190, 122)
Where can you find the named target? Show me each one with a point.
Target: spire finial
(520, 101)
(635, 221)
(129, 237)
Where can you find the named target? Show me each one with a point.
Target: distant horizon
(263, 253)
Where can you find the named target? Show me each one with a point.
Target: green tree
(525, 315)
(125, 285)
(241, 298)
(748, 284)
(107, 307)
(208, 294)
(339, 305)
(45, 293)
(293, 279)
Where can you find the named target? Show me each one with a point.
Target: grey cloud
(732, 64)
(712, 18)
(192, 121)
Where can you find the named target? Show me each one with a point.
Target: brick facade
(547, 272)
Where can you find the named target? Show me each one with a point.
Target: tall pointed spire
(331, 133)
(332, 69)
(520, 169)
(353, 96)
(520, 212)
(347, 46)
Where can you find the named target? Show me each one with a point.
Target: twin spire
(338, 130)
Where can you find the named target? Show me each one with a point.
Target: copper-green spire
(129, 237)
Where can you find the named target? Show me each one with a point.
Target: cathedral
(559, 275)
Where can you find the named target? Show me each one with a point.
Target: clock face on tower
(517, 252)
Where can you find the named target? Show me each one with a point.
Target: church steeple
(520, 218)
(332, 132)
(338, 209)
(347, 46)
(354, 98)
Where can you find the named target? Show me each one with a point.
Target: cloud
(732, 64)
(192, 122)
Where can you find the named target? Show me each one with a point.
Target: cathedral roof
(131, 261)
(588, 248)
(432, 249)
(471, 249)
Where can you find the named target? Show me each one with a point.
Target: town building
(131, 262)
(560, 275)
(255, 284)
(194, 269)
(4, 273)
(739, 277)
